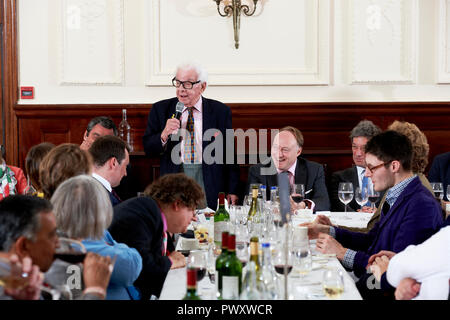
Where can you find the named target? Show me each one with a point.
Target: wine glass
(283, 263)
(242, 252)
(361, 196)
(345, 193)
(333, 283)
(438, 190)
(298, 193)
(197, 259)
(70, 250)
(373, 197)
(302, 259)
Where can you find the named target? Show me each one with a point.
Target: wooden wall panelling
(325, 126)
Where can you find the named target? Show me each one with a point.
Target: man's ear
(85, 135)
(395, 165)
(111, 162)
(299, 152)
(21, 247)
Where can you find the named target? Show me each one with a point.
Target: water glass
(333, 283)
(438, 190)
(361, 196)
(345, 193)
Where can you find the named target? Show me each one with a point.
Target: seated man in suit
(285, 156)
(410, 214)
(98, 127)
(359, 136)
(143, 223)
(110, 156)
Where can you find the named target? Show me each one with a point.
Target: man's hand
(314, 229)
(327, 244)
(367, 209)
(407, 289)
(96, 270)
(379, 266)
(172, 126)
(178, 260)
(32, 290)
(232, 199)
(321, 219)
(85, 145)
(388, 254)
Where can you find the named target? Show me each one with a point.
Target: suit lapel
(355, 178)
(301, 174)
(207, 119)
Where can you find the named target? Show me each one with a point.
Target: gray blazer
(309, 173)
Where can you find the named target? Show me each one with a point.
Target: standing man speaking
(204, 123)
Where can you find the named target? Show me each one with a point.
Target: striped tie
(189, 146)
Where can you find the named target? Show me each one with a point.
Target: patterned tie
(189, 146)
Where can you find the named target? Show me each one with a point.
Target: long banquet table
(308, 288)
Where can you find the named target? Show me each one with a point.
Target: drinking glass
(345, 193)
(242, 252)
(281, 261)
(298, 193)
(302, 260)
(333, 283)
(70, 250)
(361, 196)
(438, 190)
(198, 259)
(373, 197)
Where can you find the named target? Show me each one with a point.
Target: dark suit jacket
(414, 217)
(137, 222)
(216, 115)
(347, 175)
(440, 170)
(309, 173)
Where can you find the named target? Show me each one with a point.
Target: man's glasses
(371, 170)
(186, 84)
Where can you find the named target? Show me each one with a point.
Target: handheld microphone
(177, 115)
(178, 110)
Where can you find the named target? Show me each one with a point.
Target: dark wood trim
(10, 78)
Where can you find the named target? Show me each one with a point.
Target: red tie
(291, 179)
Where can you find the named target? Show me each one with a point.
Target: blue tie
(365, 186)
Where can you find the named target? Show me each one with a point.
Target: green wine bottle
(221, 219)
(254, 205)
(231, 272)
(219, 264)
(191, 291)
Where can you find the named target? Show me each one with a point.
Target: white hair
(202, 74)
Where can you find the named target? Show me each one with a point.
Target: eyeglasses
(371, 170)
(186, 84)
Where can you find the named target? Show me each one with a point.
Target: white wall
(125, 51)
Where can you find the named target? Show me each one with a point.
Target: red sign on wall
(27, 92)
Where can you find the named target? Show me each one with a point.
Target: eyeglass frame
(174, 83)
(377, 166)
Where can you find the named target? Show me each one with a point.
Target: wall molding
(79, 21)
(443, 42)
(380, 27)
(315, 72)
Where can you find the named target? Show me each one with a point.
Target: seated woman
(12, 179)
(32, 161)
(84, 212)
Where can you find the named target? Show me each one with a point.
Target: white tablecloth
(311, 288)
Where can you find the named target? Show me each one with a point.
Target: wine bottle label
(219, 227)
(230, 287)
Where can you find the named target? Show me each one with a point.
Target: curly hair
(365, 128)
(176, 186)
(419, 143)
(61, 163)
